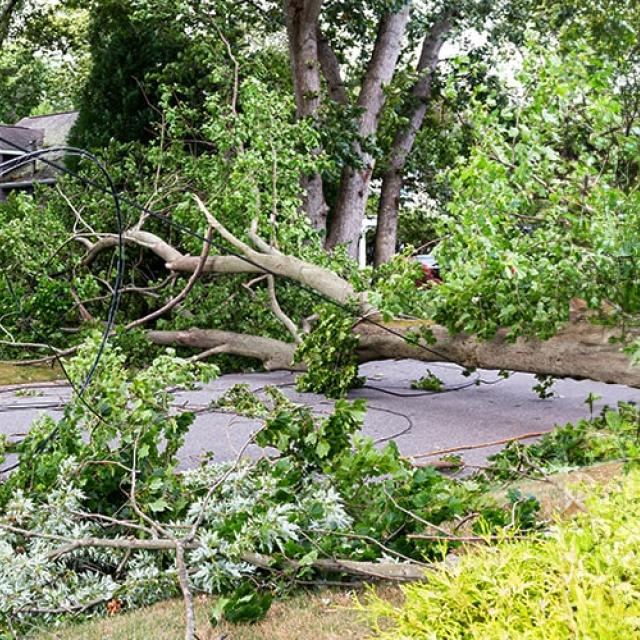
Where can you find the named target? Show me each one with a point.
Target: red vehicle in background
(430, 270)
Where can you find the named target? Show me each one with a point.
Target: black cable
(185, 229)
(475, 382)
(26, 158)
(397, 434)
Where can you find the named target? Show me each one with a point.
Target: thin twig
(482, 445)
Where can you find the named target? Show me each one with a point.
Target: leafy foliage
(245, 604)
(44, 62)
(329, 491)
(577, 580)
(428, 382)
(611, 436)
(543, 210)
(329, 352)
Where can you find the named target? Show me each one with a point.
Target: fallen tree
(95, 516)
(581, 349)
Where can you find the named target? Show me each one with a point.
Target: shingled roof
(23, 137)
(56, 126)
(32, 133)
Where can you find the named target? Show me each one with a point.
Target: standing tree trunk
(355, 181)
(387, 230)
(7, 11)
(302, 26)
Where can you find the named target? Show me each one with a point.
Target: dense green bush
(581, 580)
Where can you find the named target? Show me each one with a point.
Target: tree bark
(580, 350)
(331, 70)
(274, 354)
(302, 25)
(355, 181)
(7, 11)
(387, 229)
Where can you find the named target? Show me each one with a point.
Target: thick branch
(401, 572)
(133, 237)
(324, 281)
(381, 68)
(301, 21)
(331, 70)
(274, 354)
(404, 140)
(579, 350)
(175, 260)
(355, 182)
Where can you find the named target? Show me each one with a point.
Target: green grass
(581, 581)
(11, 374)
(324, 615)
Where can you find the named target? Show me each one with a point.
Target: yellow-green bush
(582, 581)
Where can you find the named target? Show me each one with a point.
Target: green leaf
(159, 505)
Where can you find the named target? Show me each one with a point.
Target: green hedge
(582, 580)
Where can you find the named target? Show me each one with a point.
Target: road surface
(464, 414)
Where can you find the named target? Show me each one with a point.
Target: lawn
(10, 374)
(323, 615)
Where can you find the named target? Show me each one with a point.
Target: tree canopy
(247, 146)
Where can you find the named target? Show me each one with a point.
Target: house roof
(23, 137)
(56, 126)
(35, 132)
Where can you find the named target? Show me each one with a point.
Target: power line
(187, 230)
(117, 285)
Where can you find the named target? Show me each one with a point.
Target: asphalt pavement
(463, 414)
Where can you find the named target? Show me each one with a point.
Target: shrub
(582, 581)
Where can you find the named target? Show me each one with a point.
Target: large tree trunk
(302, 28)
(355, 181)
(581, 349)
(387, 229)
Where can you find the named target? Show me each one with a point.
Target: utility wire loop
(29, 156)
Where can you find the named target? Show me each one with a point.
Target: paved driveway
(464, 414)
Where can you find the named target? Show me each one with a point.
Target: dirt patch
(560, 494)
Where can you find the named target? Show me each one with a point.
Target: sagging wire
(27, 158)
(211, 242)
